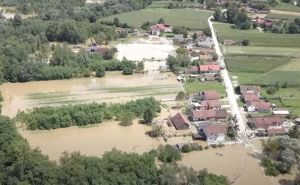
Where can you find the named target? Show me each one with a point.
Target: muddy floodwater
(92, 141)
(114, 87)
(238, 163)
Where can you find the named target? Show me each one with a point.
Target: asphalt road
(228, 84)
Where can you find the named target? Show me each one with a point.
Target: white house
(215, 133)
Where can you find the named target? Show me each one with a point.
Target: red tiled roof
(192, 69)
(209, 114)
(250, 97)
(260, 105)
(276, 130)
(265, 122)
(179, 121)
(210, 104)
(217, 128)
(249, 88)
(210, 95)
(209, 67)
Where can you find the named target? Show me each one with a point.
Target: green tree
(217, 14)
(140, 67)
(161, 21)
(128, 71)
(100, 71)
(148, 115)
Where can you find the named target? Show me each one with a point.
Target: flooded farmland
(112, 88)
(92, 141)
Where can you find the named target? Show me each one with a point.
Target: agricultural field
(254, 63)
(256, 38)
(259, 50)
(282, 16)
(165, 4)
(193, 87)
(286, 7)
(192, 18)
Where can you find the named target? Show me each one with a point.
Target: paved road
(228, 84)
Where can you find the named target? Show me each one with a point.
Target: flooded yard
(237, 162)
(112, 88)
(92, 141)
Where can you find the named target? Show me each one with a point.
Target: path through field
(285, 12)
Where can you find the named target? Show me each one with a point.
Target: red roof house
(276, 131)
(210, 104)
(209, 68)
(211, 114)
(249, 89)
(180, 122)
(266, 122)
(210, 95)
(250, 97)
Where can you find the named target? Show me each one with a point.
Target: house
(206, 51)
(210, 104)
(178, 38)
(200, 36)
(192, 70)
(228, 42)
(215, 133)
(209, 68)
(158, 28)
(207, 43)
(210, 95)
(180, 122)
(249, 89)
(250, 97)
(272, 131)
(267, 121)
(211, 114)
(196, 105)
(258, 106)
(205, 57)
(209, 77)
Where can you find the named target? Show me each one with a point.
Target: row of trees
(285, 27)
(84, 114)
(21, 165)
(234, 15)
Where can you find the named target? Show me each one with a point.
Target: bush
(245, 42)
(128, 71)
(186, 148)
(270, 167)
(220, 145)
(126, 119)
(180, 96)
(206, 147)
(168, 154)
(214, 146)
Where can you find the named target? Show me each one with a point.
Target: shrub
(168, 154)
(214, 146)
(270, 167)
(186, 148)
(127, 71)
(206, 147)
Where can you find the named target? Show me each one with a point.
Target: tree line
(21, 165)
(285, 27)
(24, 44)
(50, 117)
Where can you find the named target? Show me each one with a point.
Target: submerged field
(192, 18)
(112, 88)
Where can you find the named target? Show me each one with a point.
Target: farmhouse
(266, 122)
(192, 70)
(208, 77)
(272, 131)
(250, 97)
(211, 114)
(158, 28)
(210, 104)
(215, 133)
(207, 43)
(180, 122)
(259, 106)
(209, 68)
(210, 95)
(249, 89)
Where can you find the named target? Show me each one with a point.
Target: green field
(164, 4)
(197, 87)
(282, 16)
(192, 18)
(259, 50)
(290, 98)
(286, 7)
(225, 31)
(254, 63)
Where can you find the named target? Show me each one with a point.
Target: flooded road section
(92, 141)
(112, 88)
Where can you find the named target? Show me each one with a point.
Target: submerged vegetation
(21, 165)
(84, 114)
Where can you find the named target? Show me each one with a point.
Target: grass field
(192, 18)
(259, 50)
(254, 63)
(225, 31)
(282, 16)
(286, 7)
(290, 98)
(197, 87)
(164, 4)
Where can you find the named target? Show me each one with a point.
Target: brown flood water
(237, 162)
(112, 88)
(92, 141)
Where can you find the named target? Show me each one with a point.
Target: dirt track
(285, 12)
